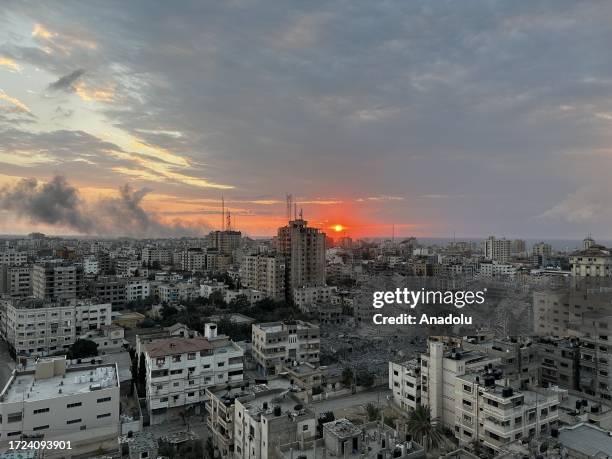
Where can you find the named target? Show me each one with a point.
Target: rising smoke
(58, 203)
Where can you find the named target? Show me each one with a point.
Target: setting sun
(338, 228)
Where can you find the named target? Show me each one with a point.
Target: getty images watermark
(413, 298)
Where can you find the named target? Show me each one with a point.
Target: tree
(82, 349)
(347, 377)
(419, 425)
(372, 411)
(240, 303)
(365, 379)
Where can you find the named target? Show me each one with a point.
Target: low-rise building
(53, 401)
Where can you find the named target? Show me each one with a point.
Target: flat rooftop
(24, 387)
(586, 439)
(342, 428)
(274, 327)
(177, 345)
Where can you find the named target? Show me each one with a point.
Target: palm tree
(419, 425)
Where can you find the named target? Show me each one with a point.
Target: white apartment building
(265, 273)
(13, 257)
(405, 383)
(16, 280)
(168, 293)
(91, 265)
(495, 415)
(439, 369)
(78, 404)
(490, 270)
(276, 344)
(267, 419)
(36, 328)
(137, 289)
(593, 261)
(497, 249)
(178, 370)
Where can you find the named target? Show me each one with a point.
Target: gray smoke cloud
(58, 203)
(66, 82)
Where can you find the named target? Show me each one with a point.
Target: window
(40, 428)
(41, 410)
(14, 417)
(73, 405)
(12, 434)
(191, 356)
(73, 421)
(105, 415)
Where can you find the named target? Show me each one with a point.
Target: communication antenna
(222, 213)
(229, 221)
(289, 198)
(295, 210)
(301, 214)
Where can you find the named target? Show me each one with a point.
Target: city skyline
(422, 119)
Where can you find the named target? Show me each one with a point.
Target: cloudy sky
(473, 117)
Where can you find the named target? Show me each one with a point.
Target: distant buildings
(16, 280)
(497, 249)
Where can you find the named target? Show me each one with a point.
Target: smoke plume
(58, 203)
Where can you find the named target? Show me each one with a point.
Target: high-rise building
(224, 241)
(57, 280)
(542, 248)
(304, 251)
(497, 249)
(264, 272)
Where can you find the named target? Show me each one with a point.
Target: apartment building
(13, 257)
(267, 419)
(178, 370)
(156, 255)
(440, 367)
(57, 280)
(225, 242)
(56, 402)
(276, 344)
(265, 273)
(495, 415)
(559, 362)
(91, 265)
(220, 404)
(111, 289)
(497, 249)
(551, 312)
(595, 364)
(137, 289)
(307, 298)
(303, 249)
(593, 261)
(405, 383)
(33, 327)
(492, 270)
(16, 280)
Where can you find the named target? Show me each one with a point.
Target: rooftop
(342, 428)
(24, 386)
(586, 439)
(178, 345)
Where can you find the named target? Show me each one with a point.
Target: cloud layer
(480, 117)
